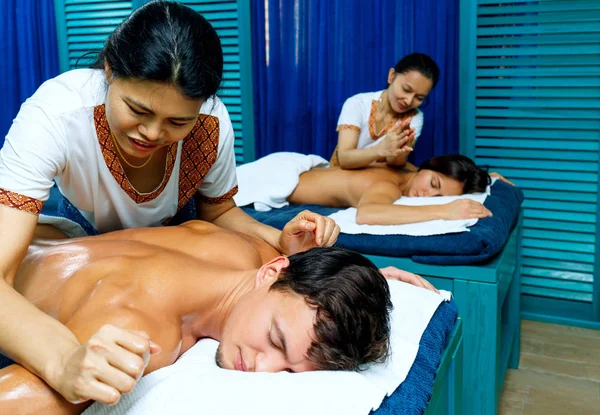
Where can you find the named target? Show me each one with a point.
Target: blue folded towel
(485, 239)
(413, 395)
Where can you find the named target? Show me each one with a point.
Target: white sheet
(346, 218)
(268, 181)
(194, 384)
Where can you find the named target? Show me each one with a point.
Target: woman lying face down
(373, 190)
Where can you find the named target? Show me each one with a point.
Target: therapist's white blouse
(61, 134)
(358, 114)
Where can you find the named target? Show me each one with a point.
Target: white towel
(194, 384)
(268, 181)
(346, 219)
(66, 226)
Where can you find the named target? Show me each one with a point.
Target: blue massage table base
(488, 300)
(447, 396)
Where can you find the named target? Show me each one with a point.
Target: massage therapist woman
(129, 144)
(384, 125)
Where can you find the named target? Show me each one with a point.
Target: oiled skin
(140, 279)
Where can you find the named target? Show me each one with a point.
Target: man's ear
(107, 71)
(391, 76)
(269, 272)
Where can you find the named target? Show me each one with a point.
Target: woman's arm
(351, 157)
(376, 208)
(27, 335)
(305, 231)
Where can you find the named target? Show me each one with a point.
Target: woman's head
(169, 43)
(411, 80)
(161, 64)
(448, 175)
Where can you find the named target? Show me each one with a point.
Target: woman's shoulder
(70, 91)
(366, 96)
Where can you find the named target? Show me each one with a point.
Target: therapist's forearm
(236, 219)
(32, 338)
(357, 158)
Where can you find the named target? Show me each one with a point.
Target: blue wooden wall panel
(530, 104)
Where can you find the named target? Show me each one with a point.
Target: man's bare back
(344, 188)
(136, 271)
(147, 280)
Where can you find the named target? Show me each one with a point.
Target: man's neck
(205, 299)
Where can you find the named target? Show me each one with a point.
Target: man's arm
(23, 393)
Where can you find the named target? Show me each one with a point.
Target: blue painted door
(84, 25)
(530, 103)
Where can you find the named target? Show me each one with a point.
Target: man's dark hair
(168, 42)
(461, 168)
(353, 304)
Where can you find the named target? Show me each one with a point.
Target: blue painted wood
(447, 388)
(467, 56)
(488, 297)
(245, 33)
(479, 308)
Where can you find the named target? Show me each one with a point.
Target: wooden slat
(544, 39)
(558, 206)
(552, 293)
(566, 92)
(559, 225)
(533, 140)
(581, 287)
(556, 165)
(540, 18)
(539, 7)
(536, 124)
(561, 264)
(538, 113)
(538, 61)
(562, 196)
(560, 82)
(557, 274)
(535, 154)
(558, 235)
(558, 255)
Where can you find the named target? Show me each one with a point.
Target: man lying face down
(130, 294)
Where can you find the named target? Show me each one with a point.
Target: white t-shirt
(358, 114)
(61, 134)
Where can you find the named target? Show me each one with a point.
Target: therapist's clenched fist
(109, 364)
(307, 230)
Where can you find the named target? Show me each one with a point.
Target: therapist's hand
(307, 230)
(393, 273)
(499, 177)
(400, 139)
(109, 364)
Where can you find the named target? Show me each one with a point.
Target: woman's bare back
(335, 187)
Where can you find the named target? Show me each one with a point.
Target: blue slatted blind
(84, 25)
(223, 15)
(537, 121)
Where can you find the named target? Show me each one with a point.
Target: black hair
(421, 63)
(168, 42)
(461, 168)
(353, 303)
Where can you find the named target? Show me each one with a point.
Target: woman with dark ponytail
(132, 142)
(384, 125)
